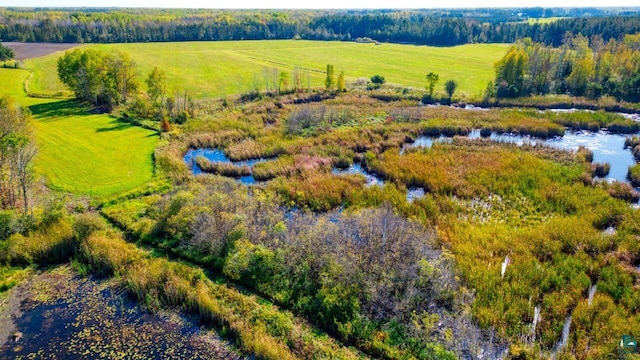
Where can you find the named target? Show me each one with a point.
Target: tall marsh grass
(222, 168)
(257, 327)
(52, 243)
(594, 121)
(634, 175)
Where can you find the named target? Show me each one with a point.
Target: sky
(316, 4)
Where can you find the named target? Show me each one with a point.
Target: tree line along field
(439, 27)
(215, 69)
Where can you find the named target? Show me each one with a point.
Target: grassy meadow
(12, 83)
(92, 154)
(214, 69)
(45, 75)
(541, 21)
(81, 152)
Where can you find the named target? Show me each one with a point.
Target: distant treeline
(580, 67)
(428, 27)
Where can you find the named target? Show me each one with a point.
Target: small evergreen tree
(378, 80)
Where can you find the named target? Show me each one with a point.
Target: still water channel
(606, 147)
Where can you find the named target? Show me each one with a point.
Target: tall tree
(283, 81)
(23, 151)
(17, 151)
(156, 85)
(123, 71)
(329, 80)
(297, 80)
(432, 80)
(583, 68)
(450, 87)
(510, 72)
(340, 82)
(97, 77)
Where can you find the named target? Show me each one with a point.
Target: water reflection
(217, 155)
(371, 179)
(414, 194)
(606, 147)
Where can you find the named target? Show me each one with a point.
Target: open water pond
(372, 179)
(606, 147)
(217, 155)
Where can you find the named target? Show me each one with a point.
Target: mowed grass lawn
(80, 152)
(214, 69)
(12, 83)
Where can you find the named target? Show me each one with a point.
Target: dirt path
(24, 51)
(60, 315)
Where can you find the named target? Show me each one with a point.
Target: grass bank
(92, 154)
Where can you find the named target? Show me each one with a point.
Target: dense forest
(430, 27)
(580, 67)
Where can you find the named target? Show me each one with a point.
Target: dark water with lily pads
(60, 315)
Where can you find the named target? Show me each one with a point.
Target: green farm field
(215, 69)
(81, 152)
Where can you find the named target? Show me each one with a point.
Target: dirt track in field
(25, 51)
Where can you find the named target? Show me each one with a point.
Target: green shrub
(634, 175)
(86, 224)
(7, 224)
(53, 242)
